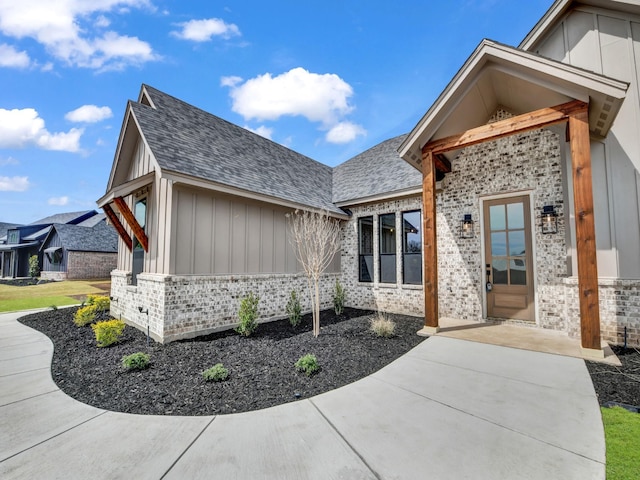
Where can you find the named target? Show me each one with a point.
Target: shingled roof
(375, 172)
(187, 140)
(98, 238)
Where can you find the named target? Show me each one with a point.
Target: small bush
(136, 361)
(338, 298)
(383, 326)
(307, 364)
(53, 307)
(84, 316)
(217, 373)
(101, 303)
(34, 267)
(248, 315)
(293, 309)
(108, 332)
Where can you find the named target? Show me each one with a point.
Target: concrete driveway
(448, 409)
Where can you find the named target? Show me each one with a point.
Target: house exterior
(88, 250)
(515, 198)
(23, 241)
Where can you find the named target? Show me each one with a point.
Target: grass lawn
(622, 433)
(69, 292)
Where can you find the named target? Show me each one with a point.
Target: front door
(508, 258)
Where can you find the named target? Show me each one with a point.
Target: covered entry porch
(499, 97)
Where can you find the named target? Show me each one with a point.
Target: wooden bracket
(113, 218)
(133, 223)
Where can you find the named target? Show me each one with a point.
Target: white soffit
(498, 76)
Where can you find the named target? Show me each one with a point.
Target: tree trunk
(316, 312)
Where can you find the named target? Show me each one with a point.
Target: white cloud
(22, 128)
(263, 131)
(89, 114)
(102, 22)
(12, 58)
(62, 28)
(230, 81)
(344, 132)
(60, 201)
(203, 30)
(8, 161)
(14, 184)
(318, 97)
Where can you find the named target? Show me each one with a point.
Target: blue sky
(327, 78)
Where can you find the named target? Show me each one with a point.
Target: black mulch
(22, 282)
(619, 385)
(260, 366)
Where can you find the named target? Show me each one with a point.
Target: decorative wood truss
(576, 114)
(130, 218)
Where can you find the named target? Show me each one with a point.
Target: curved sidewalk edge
(449, 408)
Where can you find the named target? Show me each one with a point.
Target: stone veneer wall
(51, 275)
(529, 163)
(84, 265)
(183, 306)
(619, 308)
(393, 298)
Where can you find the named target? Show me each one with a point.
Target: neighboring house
(4, 227)
(515, 198)
(85, 251)
(23, 241)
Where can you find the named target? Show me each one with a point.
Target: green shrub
(217, 373)
(34, 266)
(84, 316)
(248, 315)
(307, 364)
(108, 332)
(338, 298)
(101, 303)
(383, 326)
(136, 361)
(293, 309)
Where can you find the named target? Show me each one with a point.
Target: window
(140, 212)
(412, 248)
(387, 234)
(365, 249)
(13, 236)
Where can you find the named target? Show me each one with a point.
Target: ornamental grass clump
(108, 332)
(307, 364)
(217, 373)
(383, 326)
(136, 361)
(248, 315)
(294, 310)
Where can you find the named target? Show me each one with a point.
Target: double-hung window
(387, 235)
(365, 249)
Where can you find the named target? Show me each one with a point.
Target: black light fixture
(549, 219)
(466, 226)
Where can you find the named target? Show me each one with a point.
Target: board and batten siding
(47, 266)
(217, 234)
(577, 40)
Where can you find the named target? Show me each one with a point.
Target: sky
(328, 79)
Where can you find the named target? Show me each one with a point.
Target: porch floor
(524, 338)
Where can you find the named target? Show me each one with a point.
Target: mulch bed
(23, 282)
(261, 366)
(618, 385)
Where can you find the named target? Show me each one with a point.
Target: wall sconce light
(466, 226)
(549, 219)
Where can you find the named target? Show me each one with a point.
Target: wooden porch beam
(115, 221)
(442, 163)
(133, 223)
(585, 230)
(510, 126)
(430, 245)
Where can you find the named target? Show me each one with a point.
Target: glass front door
(508, 258)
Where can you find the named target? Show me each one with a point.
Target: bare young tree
(315, 238)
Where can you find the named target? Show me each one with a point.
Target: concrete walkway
(449, 408)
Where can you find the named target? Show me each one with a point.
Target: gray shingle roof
(187, 140)
(376, 171)
(70, 217)
(4, 227)
(99, 238)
